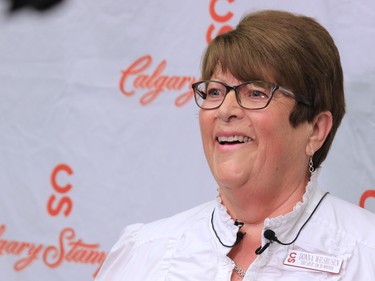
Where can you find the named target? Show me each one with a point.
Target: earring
(311, 164)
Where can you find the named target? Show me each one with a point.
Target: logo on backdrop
(69, 248)
(59, 201)
(141, 75)
(365, 196)
(148, 80)
(220, 21)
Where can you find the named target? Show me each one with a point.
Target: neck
(253, 203)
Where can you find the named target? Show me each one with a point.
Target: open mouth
(234, 140)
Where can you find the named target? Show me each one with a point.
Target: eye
(255, 91)
(257, 94)
(214, 92)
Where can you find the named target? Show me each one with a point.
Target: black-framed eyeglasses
(210, 94)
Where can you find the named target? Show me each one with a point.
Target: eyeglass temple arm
(202, 94)
(301, 99)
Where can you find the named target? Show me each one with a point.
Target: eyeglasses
(210, 94)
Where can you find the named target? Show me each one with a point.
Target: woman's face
(248, 146)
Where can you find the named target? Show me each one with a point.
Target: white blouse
(337, 243)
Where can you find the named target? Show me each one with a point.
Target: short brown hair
(292, 50)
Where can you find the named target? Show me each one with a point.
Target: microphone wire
(270, 234)
(240, 234)
(295, 239)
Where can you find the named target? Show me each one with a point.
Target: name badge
(313, 261)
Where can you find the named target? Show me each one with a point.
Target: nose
(229, 109)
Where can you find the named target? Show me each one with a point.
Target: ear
(321, 126)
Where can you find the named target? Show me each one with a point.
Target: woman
(271, 101)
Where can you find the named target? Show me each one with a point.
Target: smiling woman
(270, 102)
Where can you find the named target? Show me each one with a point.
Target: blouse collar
(285, 226)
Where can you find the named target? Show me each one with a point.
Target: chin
(231, 180)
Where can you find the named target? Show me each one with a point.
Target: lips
(233, 139)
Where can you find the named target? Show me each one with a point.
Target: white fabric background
(61, 103)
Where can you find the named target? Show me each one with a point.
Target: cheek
(280, 140)
(206, 121)
(273, 132)
(269, 125)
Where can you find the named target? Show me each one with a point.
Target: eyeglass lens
(251, 95)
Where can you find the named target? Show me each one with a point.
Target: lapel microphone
(271, 236)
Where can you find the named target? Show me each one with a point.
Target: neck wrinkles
(253, 205)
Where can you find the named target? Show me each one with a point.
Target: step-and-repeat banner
(98, 128)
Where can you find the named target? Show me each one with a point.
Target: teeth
(234, 139)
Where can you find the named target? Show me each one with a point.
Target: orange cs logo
(366, 195)
(55, 204)
(218, 18)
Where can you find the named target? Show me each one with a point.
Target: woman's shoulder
(157, 240)
(352, 219)
(351, 211)
(173, 226)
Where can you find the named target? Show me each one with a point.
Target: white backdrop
(98, 128)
